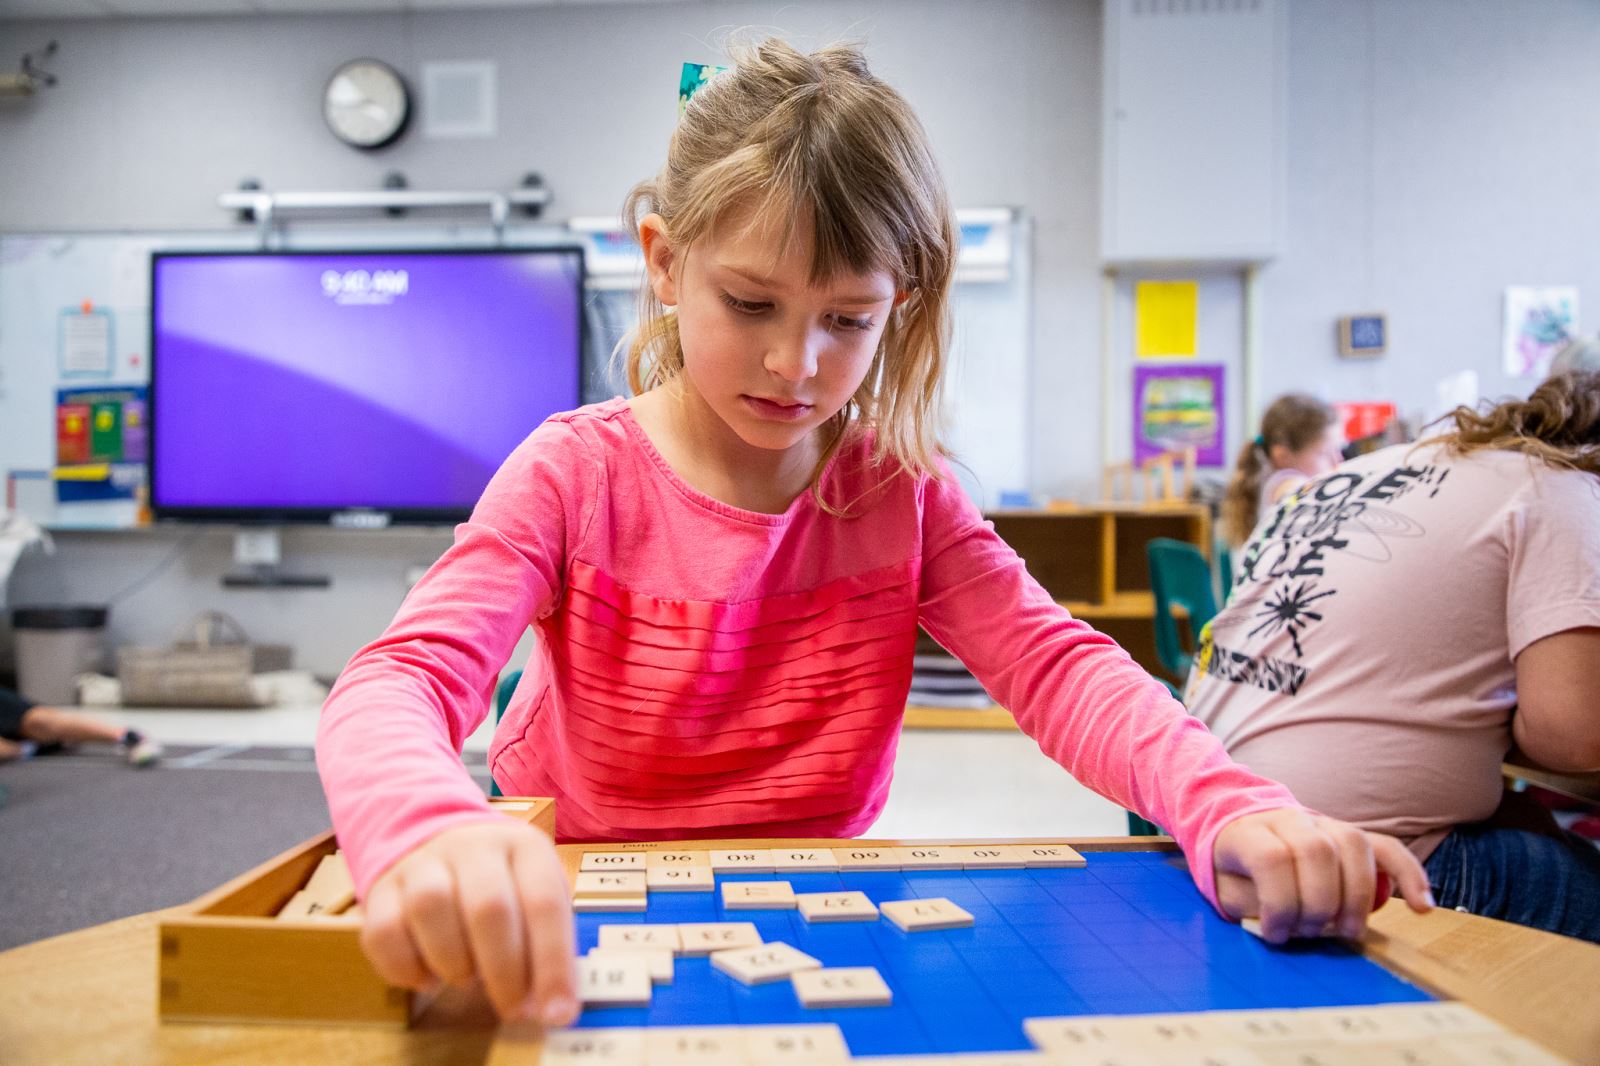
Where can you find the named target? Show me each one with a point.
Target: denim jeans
(1549, 881)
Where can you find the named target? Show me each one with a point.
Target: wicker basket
(209, 665)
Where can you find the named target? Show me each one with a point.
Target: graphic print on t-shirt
(1282, 595)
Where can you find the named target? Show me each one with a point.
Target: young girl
(727, 571)
(1300, 439)
(1403, 620)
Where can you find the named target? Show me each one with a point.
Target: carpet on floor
(85, 838)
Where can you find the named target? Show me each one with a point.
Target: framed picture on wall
(1538, 321)
(1176, 407)
(1363, 336)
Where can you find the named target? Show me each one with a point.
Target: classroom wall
(135, 138)
(1439, 150)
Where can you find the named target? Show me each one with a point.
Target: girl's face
(771, 354)
(1321, 455)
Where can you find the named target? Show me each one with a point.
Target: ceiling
(74, 9)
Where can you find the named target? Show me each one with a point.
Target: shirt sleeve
(390, 737)
(1553, 556)
(1089, 706)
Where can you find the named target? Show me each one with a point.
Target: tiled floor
(946, 783)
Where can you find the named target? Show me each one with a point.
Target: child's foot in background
(139, 749)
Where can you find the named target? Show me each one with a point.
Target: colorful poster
(1538, 322)
(1361, 420)
(1165, 317)
(102, 442)
(1178, 407)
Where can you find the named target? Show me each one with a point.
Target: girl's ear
(1280, 455)
(659, 258)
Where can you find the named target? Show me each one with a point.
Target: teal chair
(502, 697)
(1179, 576)
(1224, 571)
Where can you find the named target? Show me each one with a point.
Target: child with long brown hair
(727, 572)
(1400, 622)
(1300, 439)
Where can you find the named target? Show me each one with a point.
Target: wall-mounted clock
(366, 103)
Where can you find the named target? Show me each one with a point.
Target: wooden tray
(226, 957)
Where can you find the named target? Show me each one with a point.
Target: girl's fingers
(547, 923)
(433, 916)
(1319, 875)
(1237, 895)
(494, 929)
(386, 940)
(1360, 876)
(1396, 860)
(1268, 861)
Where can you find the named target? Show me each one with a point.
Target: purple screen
(395, 381)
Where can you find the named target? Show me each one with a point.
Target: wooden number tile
(641, 936)
(619, 979)
(612, 860)
(707, 1045)
(867, 858)
(610, 904)
(836, 907)
(844, 986)
(997, 857)
(1049, 855)
(1057, 1035)
(615, 885)
(658, 860)
(1499, 1049)
(799, 860)
(680, 879)
(742, 862)
(768, 962)
(757, 896)
(922, 915)
(330, 886)
(659, 960)
(928, 858)
(702, 938)
(773, 1045)
(299, 906)
(575, 1047)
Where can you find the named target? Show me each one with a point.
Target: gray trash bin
(54, 646)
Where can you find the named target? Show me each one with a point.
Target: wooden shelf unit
(1092, 560)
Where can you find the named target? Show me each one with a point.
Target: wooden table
(90, 996)
(1585, 787)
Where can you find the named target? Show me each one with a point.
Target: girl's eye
(852, 323)
(744, 307)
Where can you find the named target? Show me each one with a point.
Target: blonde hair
(817, 141)
(1294, 421)
(1559, 423)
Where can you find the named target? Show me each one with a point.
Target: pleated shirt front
(706, 671)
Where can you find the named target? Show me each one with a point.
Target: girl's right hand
(487, 901)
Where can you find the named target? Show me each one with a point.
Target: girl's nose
(793, 358)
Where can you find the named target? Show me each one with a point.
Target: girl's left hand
(1305, 875)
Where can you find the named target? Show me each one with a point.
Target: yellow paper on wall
(1165, 313)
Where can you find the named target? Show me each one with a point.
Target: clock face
(366, 103)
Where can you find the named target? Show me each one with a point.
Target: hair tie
(693, 79)
(1261, 442)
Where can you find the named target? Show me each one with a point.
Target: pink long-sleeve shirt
(706, 671)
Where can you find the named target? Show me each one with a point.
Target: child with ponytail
(1300, 439)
